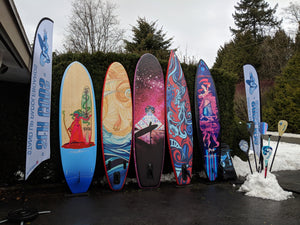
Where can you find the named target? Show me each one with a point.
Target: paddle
(245, 148)
(266, 152)
(263, 131)
(250, 128)
(282, 125)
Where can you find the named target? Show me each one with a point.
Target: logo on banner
(252, 84)
(44, 57)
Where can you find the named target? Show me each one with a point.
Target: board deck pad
(116, 124)
(77, 127)
(207, 120)
(179, 122)
(149, 121)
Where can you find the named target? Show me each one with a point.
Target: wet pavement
(199, 203)
(289, 180)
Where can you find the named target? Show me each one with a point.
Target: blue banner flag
(38, 133)
(253, 104)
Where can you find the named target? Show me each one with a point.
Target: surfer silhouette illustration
(44, 57)
(252, 84)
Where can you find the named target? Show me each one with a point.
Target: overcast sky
(198, 27)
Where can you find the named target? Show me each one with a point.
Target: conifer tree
(285, 98)
(147, 38)
(255, 16)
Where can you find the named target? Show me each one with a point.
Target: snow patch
(256, 185)
(19, 175)
(241, 167)
(285, 134)
(287, 158)
(169, 177)
(131, 180)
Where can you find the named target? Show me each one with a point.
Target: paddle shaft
(266, 161)
(266, 169)
(249, 164)
(254, 152)
(275, 152)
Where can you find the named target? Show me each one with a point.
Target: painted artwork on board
(116, 120)
(208, 121)
(208, 112)
(149, 121)
(80, 130)
(149, 100)
(77, 127)
(179, 121)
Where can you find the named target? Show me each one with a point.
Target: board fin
(124, 164)
(117, 177)
(150, 171)
(185, 172)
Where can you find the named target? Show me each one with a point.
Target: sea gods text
(44, 103)
(255, 116)
(39, 112)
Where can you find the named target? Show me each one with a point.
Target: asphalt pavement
(202, 202)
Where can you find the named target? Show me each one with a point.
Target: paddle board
(149, 121)
(179, 122)
(77, 127)
(116, 124)
(207, 120)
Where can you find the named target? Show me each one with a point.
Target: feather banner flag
(253, 104)
(38, 133)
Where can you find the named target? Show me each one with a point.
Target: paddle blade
(263, 127)
(266, 152)
(244, 145)
(282, 125)
(250, 127)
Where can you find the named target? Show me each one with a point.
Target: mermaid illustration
(208, 112)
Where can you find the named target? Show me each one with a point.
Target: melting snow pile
(257, 185)
(287, 158)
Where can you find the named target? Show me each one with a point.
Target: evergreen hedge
(51, 171)
(284, 99)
